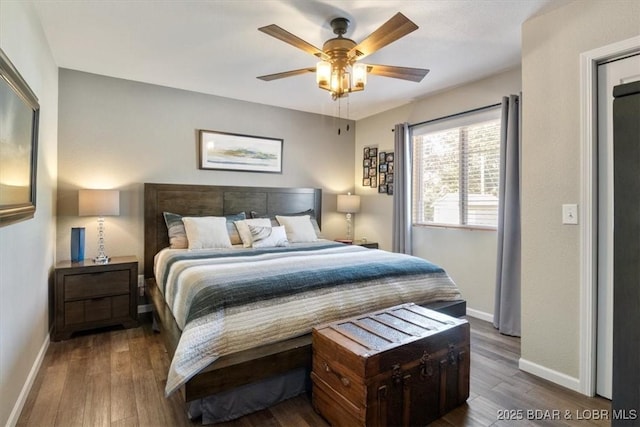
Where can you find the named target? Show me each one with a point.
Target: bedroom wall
(27, 248)
(119, 134)
(468, 255)
(551, 174)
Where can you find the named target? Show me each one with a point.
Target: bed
(282, 361)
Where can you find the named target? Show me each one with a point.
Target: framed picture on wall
(236, 152)
(19, 116)
(369, 167)
(385, 170)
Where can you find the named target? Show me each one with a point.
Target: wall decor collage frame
(385, 176)
(370, 167)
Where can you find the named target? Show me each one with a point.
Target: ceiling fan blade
(404, 73)
(396, 27)
(284, 74)
(284, 35)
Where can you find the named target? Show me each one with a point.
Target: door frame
(588, 208)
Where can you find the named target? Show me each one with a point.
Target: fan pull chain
(339, 114)
(348, 115)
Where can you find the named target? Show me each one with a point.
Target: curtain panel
(402, 190)
(506, 316)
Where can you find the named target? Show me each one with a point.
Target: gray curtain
(507, 299)
(402, 190)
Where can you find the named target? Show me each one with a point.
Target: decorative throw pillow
(234, 236)
(245, 233)
(178, 235)
(274, 222)
(175, 228)
(268, 237)
(298, 228)
(207, 232)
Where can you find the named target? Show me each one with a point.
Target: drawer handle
(344, 380)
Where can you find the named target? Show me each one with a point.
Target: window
(456, 170)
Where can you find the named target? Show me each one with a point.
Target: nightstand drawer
(92, 285)
(120, 306)
(92, 310)
(97, 309)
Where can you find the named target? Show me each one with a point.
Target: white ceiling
(214, 46)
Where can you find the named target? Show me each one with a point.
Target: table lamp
(349, 204)
(99, 203)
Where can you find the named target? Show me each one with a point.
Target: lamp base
(102, 259)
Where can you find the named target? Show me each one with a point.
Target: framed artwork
(19, 116)
(242, 153)
(385, 170)
(370, 167)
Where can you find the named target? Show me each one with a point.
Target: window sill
(457, 227)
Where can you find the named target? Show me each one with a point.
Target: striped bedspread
(230, 300)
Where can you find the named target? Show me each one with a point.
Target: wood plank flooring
(116, 378)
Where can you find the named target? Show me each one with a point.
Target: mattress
(229, 300)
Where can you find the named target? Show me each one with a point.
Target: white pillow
(207, 232)
(245, 233)
(268, 237)
(299, 228)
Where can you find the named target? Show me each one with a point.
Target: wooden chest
(402, 366)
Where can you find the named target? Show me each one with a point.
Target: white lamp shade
(359, 75)
(98, 203)
(323, 73)
(348, 203)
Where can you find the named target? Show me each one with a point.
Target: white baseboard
(549, 374)
(26, 388)
(487, 317)
(146, 308)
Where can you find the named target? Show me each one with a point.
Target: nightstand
(89, 295)
(366, 244)
(370, 245)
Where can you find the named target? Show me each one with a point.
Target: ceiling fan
(338, 70)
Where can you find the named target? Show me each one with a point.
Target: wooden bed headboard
(216, 200)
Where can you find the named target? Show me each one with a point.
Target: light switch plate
(570, 214)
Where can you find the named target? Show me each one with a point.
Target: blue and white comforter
(229, 300)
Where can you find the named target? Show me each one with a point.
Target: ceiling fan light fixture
(359, 76)
(323, 74)
(339, 72)
(340, 81)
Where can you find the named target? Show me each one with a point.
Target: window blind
(456, 170)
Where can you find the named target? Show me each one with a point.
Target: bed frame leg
(154, 324)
